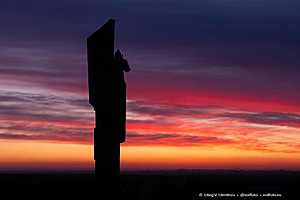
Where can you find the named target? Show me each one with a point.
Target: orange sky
(41, 155)
(20, 155)
(207, 89)
(204, 133)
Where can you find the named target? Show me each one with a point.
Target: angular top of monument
(109, 25)
(100, 47)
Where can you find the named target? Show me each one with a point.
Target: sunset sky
(214, 83)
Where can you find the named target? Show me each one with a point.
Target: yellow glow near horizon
(172, 157)
(20, 154)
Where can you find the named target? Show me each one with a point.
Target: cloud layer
(205, 73)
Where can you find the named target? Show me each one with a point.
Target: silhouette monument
(107, 94)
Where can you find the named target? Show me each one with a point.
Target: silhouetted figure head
(121, 62)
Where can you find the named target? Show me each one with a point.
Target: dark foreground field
(157, 185)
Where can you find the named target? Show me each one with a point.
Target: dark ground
(180, 184)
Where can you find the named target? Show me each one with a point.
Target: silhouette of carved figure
(121, 62)
(121, 65)
(107, 94)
